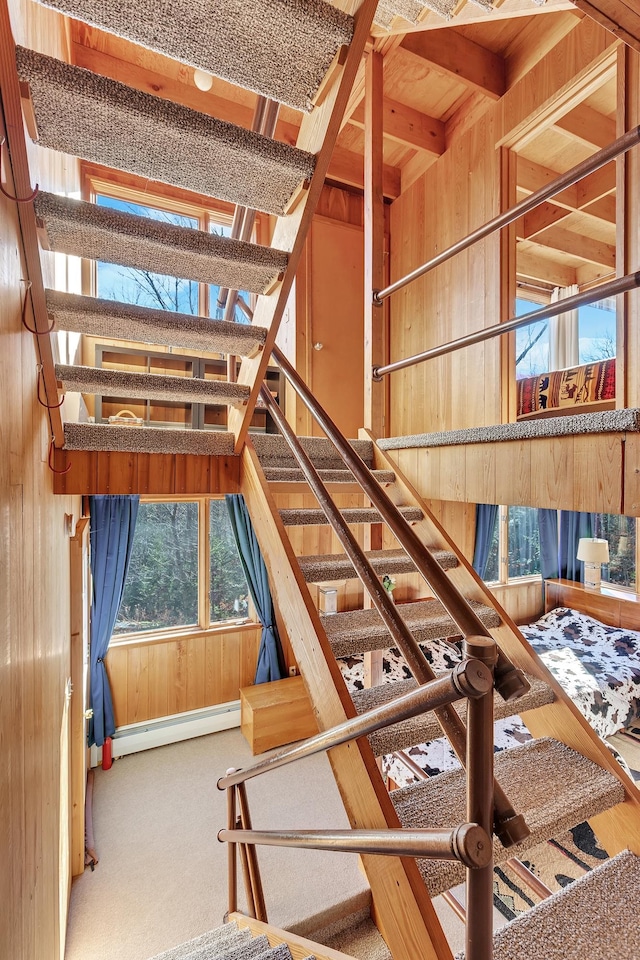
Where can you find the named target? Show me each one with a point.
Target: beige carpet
(161, 878)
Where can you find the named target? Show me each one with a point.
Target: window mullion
(204, 565)
(503, 544)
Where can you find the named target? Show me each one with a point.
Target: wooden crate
(272, 714)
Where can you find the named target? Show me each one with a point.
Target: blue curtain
(486, 516)
(271, 665)
(548, 527)
(573, 525)
(113, 521)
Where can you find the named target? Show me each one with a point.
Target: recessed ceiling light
(202, 80)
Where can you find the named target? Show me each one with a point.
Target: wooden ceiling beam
(544, 216)
(598, 185)
(619, 18)
(456, 56)
(588, 126)
(538, 269)
(578, 245)
(407, 126)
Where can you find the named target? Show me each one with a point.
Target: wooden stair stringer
(318, 134)
(403, 907)
(301, 948)
(618, 828)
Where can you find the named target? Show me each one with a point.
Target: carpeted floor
(161, 878)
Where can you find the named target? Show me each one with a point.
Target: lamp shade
(593, 550)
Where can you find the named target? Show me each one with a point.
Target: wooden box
(272, 714)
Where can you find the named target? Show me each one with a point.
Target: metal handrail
(610, 289)
(468, 679)
(511, 827)
(468, 843)
(568, 179)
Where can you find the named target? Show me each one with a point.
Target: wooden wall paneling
(513, 473)
(523, 601)
(79, 670)
(154, 474)
(598, 473)
(627, 241)
(552, 472)
(480, 473)
(453, 465)
(631, 473)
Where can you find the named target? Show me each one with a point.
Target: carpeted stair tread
(592, 917)
(150, 386)
(359, 631)
(424, 728)
(124, 321)
(99, 233)
(273, 451)
(608, 421)
(291, 475)
(101, 437)
(98, 119)
(337, 566)
(246, 44)
(214, 942)
(308, 517)
(554, 788)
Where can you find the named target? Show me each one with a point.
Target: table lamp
(594, 553)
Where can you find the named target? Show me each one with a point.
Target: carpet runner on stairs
(100, 437)
(291, 475)
(244, 43)
(593, 917)
(228, 942)
(337, 566)
(299, 517)
(150, 386)
(124, 321)
(273, 451)
(87, 230)
(552, 786)
(360, 631)
(98, 119)
(424, 728)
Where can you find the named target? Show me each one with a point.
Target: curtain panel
(486, 517)
(271, 665)
(112, 525)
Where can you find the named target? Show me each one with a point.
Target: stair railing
(470, 842)
(509, 681)
(599, 159)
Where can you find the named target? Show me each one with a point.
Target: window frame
(204, 625)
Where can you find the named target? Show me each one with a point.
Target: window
(217, 310)
(596, 337)
(143, 287)
(515, 545)
(185, 570)
(620, 532)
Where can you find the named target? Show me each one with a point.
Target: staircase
(564, 776)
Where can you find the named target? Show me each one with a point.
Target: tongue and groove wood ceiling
(439, 78)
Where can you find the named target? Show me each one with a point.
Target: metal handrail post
(232, 864)
(593, 163)
(253, 870)
(480, 780)
(609, 289)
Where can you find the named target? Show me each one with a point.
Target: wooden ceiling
(438, 79)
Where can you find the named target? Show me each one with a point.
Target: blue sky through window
(597, 337)
(143, 287)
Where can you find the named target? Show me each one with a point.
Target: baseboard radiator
(180, 726)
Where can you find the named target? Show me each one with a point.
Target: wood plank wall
(34, 600)
(457, 194)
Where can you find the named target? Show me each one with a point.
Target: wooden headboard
(618, 608)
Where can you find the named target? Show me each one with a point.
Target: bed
(598, 664)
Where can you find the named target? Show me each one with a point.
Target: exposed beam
(407, 126)
(588, 126)
(618, 17)
(532, 176)
(539, 269)
(540, 219)
(577, 245)
(456, 56)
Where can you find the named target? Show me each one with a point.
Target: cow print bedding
(598, 666)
